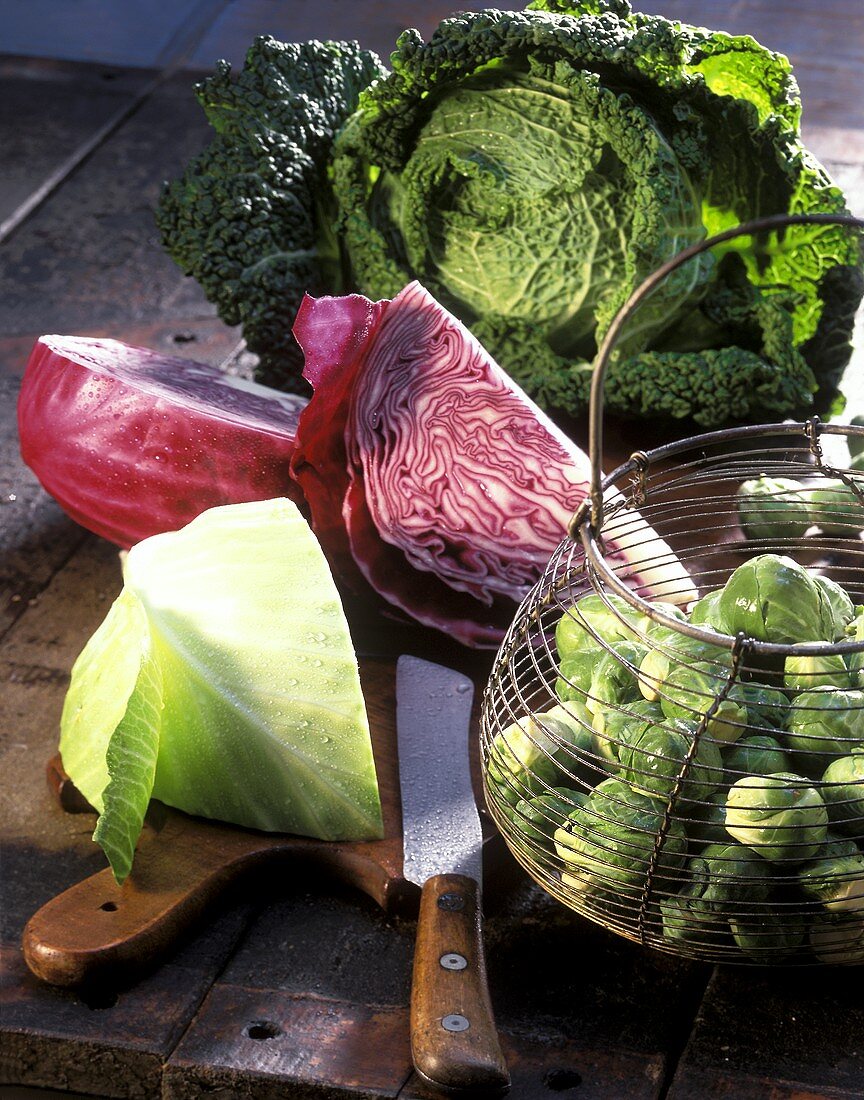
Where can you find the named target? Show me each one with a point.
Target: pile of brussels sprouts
(721, 815)
(778, 507)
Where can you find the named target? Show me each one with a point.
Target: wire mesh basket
(673, 732)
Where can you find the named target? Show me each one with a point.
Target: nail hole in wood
(560, 1080)
(97, 1000)
(263, 1029)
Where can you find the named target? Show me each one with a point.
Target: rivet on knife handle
(453, 1036)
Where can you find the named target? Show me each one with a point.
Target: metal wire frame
(644, 882)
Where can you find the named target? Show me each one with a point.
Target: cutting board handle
(98, 932)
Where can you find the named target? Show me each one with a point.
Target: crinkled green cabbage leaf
(223, 682)
(530, 169)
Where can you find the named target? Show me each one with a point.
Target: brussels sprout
(727, 883)
(662, 657)
(805, 672)
(651, 756)
(838, 939)
(610, 840)
(836, 878)
(825, 723)
(706, 612)
(774, 599)
(539, 752)
(656, 630)
(595, 619)
(691, 921)
(781, 817)
(837, 508)
(758, 754)
(855, 661)
(689, 692)
(614, 682)
(843, 792)
(727, 892)
(767, 707)
(706, 820)
(576, 756)
(773, 508)
(842, 610)
(614, 725)
(575, 674)
(725, 873)
(766, 935)
(540, 815)
(521, 758)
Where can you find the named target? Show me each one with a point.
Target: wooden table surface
(298, 988)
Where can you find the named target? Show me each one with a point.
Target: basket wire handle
(604, 355)
(812, 428)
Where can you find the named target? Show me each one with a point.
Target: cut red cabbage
(132, 443)
(430, 476)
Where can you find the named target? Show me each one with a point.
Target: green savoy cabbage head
(530, 169)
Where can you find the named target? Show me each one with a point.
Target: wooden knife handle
(454, 1042)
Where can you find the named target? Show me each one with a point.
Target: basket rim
(582, 526)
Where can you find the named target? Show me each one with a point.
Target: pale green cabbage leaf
(223, 682)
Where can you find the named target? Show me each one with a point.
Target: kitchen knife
(454, 1044)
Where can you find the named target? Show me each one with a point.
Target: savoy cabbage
(530, 168)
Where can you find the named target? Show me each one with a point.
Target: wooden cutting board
(97, 932)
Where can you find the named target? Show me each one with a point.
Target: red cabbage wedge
(430, 476)
(131, 443)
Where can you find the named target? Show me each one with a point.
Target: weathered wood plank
(785, 1034)
(143, 34)
(92, 256)
(87, 262)
(572, 1003)
(48, 111)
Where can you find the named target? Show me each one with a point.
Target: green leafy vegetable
(530, 169)
(223, 682)
(803, 672)
(825, 723)
(782, 817)
(251, 217)
(781, 507)
(836, 878)
(772, 508)
(843, 791)
(774, 599)
(614, 682)
(609, 841)
(691, 692)
(758, 754)
(651, 756)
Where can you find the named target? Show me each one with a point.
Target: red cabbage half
(132, 443)
(430, 476)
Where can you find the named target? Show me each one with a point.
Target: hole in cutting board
(109, 906)
(263, 1029)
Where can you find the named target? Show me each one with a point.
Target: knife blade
(454, 1043)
